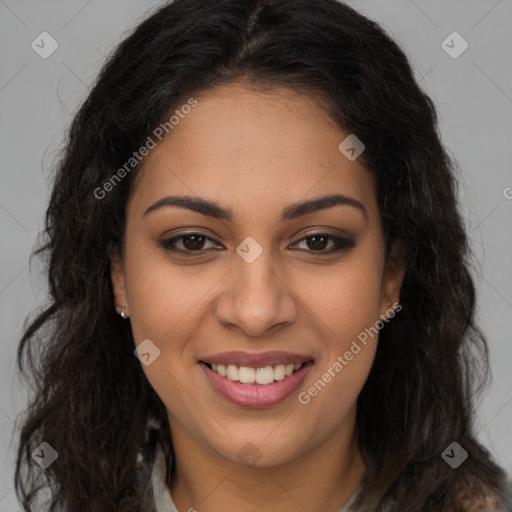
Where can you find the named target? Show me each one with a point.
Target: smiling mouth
(264, 376)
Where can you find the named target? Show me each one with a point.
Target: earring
(123, 314)
(389, 303)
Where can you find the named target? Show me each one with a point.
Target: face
(255, 270)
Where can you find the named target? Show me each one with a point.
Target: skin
(256, 153)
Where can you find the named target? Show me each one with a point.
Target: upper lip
(256, 360)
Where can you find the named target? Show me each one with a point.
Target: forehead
(252, 147)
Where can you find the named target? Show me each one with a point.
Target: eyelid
(343, 242)
(340, 242)
(176, 238)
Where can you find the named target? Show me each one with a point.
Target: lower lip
(256, 395)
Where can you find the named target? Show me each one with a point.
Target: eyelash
(342, 244)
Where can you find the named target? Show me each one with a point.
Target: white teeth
(265, 375)
(232, 372)
(279, 372)
(247, 375)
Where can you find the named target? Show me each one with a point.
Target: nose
(257, 298)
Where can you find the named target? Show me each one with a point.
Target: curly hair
(92, 401)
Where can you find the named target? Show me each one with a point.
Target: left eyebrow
(292, 211)
(298, 209)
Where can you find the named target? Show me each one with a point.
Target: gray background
(473, 94)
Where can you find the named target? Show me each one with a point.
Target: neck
(320, 480)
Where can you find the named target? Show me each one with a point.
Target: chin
(260, 452)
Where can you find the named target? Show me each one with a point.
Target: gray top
(162, 499)
(157, 497)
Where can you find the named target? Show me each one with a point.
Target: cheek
(345, 307)
(164, 299)
(346, 298)
(166, 307)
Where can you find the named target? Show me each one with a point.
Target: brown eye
(318, 242)
(189, 242)
(193, 242)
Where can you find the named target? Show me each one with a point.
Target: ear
(117, 279)
(393, 277)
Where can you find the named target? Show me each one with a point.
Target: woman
(260, 297)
